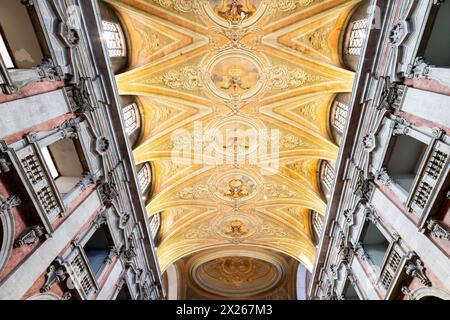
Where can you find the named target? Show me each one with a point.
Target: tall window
(131, 118)
(340, 116)
(155, 223)
(357, 37)
(4, 53)
(317, 221)
(145, 177)
(327, 175)
(113, 36)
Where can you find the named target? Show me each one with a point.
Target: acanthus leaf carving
(415, 268)
(56, 273)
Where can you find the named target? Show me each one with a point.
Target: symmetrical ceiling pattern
(232, 66)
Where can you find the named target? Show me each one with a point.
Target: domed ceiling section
(205, 68)
(237, 273)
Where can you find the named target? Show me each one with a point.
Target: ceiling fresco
(206, 68)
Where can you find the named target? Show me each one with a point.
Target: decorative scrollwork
(180, 5)
(188, 78)
(288, 5)
(281, 77)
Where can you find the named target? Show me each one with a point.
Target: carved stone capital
(382, 175)
(400, 129)
(9, 203)
(358, 249)
(5, 165)
(47, 71)
(99, 220)
(407, 292)
(437, 230)
(420, 69)
(30, 237)
(81, 97)
(113, 252)
(392, 95)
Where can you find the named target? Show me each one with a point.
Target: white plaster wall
(22, 114)
(109, 287)
(428, 105)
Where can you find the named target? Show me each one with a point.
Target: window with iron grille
(328, 175)
(340, 116)
(145, 177)
(131, 118)
(155, 223)
(317, 221)
(357, 37)
(113, 36)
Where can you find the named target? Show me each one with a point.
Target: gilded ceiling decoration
(206, 68)
(244, 273)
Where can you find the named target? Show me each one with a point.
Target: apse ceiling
(204, 67)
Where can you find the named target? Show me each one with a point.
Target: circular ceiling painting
(235, 75)
(236, 185)
(236, 276)
(235, 11)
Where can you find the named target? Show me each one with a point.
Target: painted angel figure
(234, 80)
(235, 11)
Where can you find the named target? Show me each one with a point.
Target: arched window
(317, 222)
(327, 175)
(145, 177)
(114, 38)
(357, 37)
(4, 53)
(340, 115)
(155, 223)
(131, 118)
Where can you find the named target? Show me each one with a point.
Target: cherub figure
(235, 12)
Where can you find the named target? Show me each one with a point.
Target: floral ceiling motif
(233, 66)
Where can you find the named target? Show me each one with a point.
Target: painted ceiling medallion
(235, 11)
(235, 74)
(237, 275)
(236, 227)
(235, 186)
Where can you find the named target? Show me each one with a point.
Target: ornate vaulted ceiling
(266, 65)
